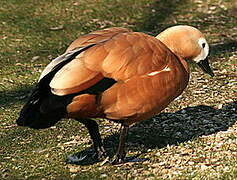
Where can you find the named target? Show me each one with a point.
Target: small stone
(35, 58)
(56, 28)
(220, 106)
(74, 169)
(204, 167)
(103, 175)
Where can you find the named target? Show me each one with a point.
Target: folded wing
(141, 66)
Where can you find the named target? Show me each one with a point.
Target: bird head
(31, 114)
(189, 43)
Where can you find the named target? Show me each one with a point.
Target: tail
(44, 109)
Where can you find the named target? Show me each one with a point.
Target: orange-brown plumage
(96, 37)
(116, 74)
(127, 57)
(82, 106)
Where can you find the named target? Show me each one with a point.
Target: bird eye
(203, 45)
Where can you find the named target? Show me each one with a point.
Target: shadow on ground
(10, 97)
(174, 128)
(226, 47)
(155, 18)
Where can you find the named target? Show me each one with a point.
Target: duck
(117, 75)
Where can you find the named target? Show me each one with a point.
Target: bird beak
(204, 65)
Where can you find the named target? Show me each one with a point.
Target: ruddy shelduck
(115, 74)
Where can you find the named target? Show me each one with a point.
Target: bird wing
(121, 57)
(60, 61)
(79, 45)
(96, 37)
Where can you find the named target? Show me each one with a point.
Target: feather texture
(113, 73)
(129, 58)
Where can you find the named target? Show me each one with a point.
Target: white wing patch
(157, 72)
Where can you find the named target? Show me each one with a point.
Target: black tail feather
(43, 109)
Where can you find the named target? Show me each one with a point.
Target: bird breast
(141, 97)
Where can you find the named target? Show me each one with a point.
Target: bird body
(148, 77)
(114, 74)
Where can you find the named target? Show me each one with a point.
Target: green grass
(179, 144)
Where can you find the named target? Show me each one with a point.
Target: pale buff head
(189, 43)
